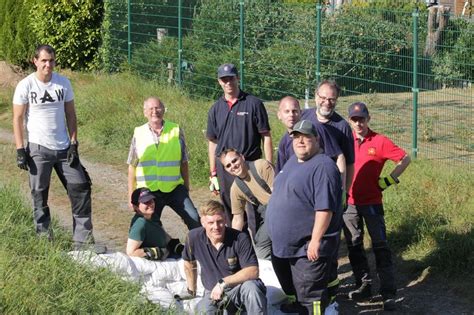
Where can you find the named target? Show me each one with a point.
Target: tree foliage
(16, 35)
(71, 27)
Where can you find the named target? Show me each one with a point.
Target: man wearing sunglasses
(252, 184)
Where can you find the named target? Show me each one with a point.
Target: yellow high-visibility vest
(158, 167)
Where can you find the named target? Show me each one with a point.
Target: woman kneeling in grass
(147, 238)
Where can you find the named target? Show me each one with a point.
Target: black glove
(385, 182)
(73, 155)
(22, 159)
(175, 246)
(153, 253)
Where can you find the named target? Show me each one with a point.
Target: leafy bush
(71, 27)
(454, 60)
(16, 35)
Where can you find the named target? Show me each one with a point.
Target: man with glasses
(158, 160)
(252, 184)
(326, 97)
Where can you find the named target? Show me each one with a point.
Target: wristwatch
(222, 284)
(74, 142)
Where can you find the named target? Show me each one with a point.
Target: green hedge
(16, 35)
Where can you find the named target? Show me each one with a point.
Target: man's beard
(324, 113)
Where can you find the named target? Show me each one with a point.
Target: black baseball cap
(227, 70)
(358, 109)
(141, 195)
(305, 127)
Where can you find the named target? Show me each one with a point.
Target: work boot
(364, 292)
(293, 307)
(389, 303)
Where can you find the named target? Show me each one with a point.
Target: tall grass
(37, 277)
(430, 217)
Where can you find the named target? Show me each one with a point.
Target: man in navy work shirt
(229, 266)
(237, 120)
(325, 114)
(304, 217)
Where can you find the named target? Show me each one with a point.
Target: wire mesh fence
(412, 65)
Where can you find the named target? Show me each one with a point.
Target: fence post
(242, 60)
(319, 9)
(180, 43)
(129, 31)
(414, 88)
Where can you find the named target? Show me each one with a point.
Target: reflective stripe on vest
(159, 167)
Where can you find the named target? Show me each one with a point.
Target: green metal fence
(415, 75)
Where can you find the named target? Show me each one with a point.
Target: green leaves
(72, 28)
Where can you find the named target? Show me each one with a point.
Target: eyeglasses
(330, 100)
(234, 160)
(157, 109)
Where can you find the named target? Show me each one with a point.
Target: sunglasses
(234, 160)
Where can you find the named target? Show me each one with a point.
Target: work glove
(73, 155)
(345, 196)
(384, 182)
(188, 295)
(214, 184)
(175, 246)
(22, 159)
(155, 253)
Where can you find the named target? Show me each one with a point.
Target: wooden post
(437, 20)
(170, 73)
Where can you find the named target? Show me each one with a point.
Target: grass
(430, 217)
(37, 277)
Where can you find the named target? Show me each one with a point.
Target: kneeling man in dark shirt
(229, 266)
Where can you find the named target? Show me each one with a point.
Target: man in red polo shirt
(372, 150)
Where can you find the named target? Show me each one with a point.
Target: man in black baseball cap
(227, 70)
(230, 115)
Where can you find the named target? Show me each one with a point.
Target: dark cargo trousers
(74, 179)
(373, 216)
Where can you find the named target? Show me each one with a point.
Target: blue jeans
(179, 201)
(249, 296)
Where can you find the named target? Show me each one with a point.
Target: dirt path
(420, 291)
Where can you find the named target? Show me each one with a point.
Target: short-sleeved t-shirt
(298, 191)
(338, 128)
(239, 199)
(326, 141)
(150, 233)
(235, 254)
(45, 116)
(240, 126)
(371, 155)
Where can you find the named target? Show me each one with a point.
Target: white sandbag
(159, 295)
(117, 262)
(143, 266)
